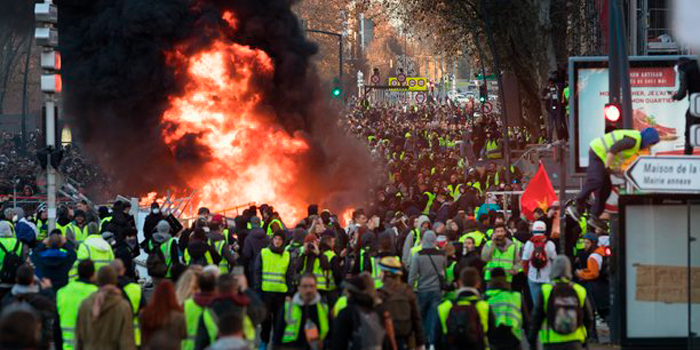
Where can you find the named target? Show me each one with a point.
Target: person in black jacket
(689, 75)
(149, 225)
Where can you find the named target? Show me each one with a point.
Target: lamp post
(340, 50)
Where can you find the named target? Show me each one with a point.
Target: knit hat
(539, 227)
(79, 213)
(591, 236)
(428, 240)
(391, 265)
(5, 229)
(163, 227)
(561, 267)
(217, 219)
(649, 137)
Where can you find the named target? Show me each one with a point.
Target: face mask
(155, 211)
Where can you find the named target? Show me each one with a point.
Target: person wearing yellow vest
(78, 228)
(493, 149)
(272, 278)
(9, 243)
(474, 233)
(94, 248)
(197, 310)
(304, 321)
(133, 293)
(500, 252)
(605, 156)
(42, 225)
(467, 302)
(218, 240)
(561, 325)
(509, 310)
(330, 271)
(231, 333)
(68, 300)
(199, 250)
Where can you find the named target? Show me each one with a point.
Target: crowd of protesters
(433, 260)
(19, 166)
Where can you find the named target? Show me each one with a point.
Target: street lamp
(46, 36)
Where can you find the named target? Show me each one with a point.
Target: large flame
(249, 159)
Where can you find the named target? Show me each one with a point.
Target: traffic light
(483, 93)
(613, 113)
(336, 88)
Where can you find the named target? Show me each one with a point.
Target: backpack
(398, 304)
(369, 334)
(155, 263)
(564, 313)
(464, 330)
(539, 258)
(10, 264)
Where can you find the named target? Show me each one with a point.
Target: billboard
(653, 80)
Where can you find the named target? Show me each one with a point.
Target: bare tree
(15, 36)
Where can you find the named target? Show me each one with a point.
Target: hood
(254, 222)
(297, 299)
(466, 291)
(19, 212)
(19, 289)
(106, 298)
(230, 343)
(163, 227)
(160, 238)
(5, 229)
(561, 267)
(428, 240)
(97, 242)
(422, 219)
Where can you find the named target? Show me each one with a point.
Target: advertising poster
(653, 84)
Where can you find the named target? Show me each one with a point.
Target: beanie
(163, 227)
(650, 137)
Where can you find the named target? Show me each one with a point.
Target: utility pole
(620, 90)
(46, 35)
(501, 97)
(340, 50)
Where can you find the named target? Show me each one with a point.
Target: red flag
(538, 194)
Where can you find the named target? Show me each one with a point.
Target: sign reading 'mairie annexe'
(665, 174)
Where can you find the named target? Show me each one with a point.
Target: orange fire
(249, 158)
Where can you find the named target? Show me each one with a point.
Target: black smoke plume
(117, 84)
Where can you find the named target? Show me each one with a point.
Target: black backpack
(564, 312)
(369, 333)
(464, 330)
(10, 264)
(155, 263)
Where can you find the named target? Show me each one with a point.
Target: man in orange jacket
(594, 263)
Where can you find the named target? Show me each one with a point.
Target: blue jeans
(427, 304)
(535, 291)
